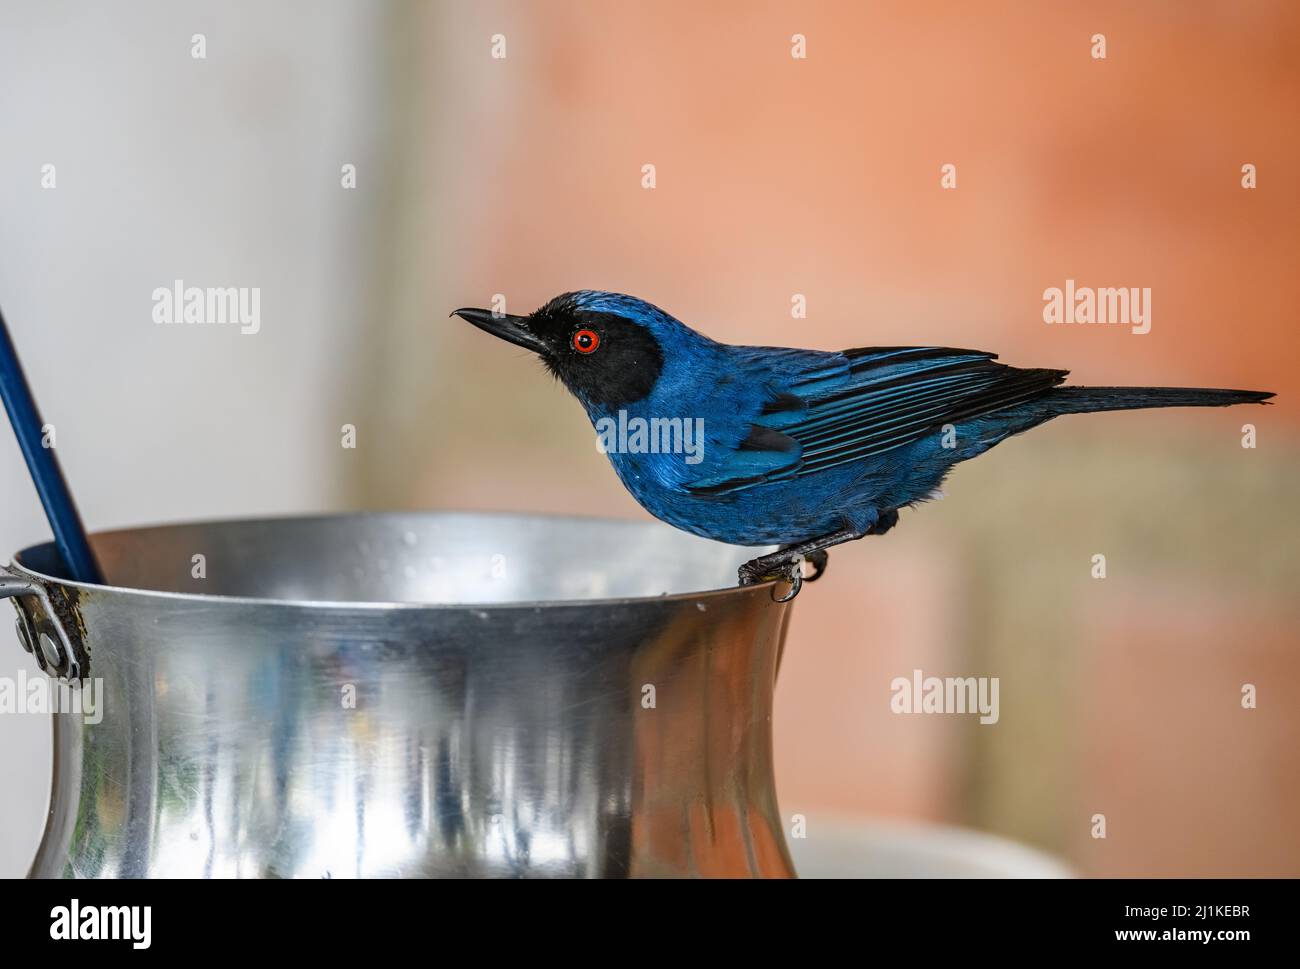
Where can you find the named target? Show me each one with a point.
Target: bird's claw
(790, 570)
(818, 560)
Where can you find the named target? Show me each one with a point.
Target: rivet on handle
(50, 644)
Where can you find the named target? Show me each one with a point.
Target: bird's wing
(826, 409)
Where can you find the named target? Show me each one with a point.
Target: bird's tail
(1085, 400)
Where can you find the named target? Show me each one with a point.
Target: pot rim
(18, 565)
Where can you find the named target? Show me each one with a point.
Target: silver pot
(408, 695)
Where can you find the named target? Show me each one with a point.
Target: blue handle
(69, 535)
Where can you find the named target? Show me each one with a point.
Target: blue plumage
(801, 448)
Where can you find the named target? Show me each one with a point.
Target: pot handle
(39, 630)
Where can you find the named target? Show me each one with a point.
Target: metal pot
(409, 695)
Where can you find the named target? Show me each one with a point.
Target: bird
(801, 449)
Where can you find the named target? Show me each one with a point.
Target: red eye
(586, 341)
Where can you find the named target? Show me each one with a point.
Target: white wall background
(221, 172)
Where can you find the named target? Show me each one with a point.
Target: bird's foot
(818, 560)
(778, 565)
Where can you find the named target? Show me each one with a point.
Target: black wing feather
(870, 400)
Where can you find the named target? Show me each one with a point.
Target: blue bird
(804, 449)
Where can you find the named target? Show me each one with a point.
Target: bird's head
(609, 350)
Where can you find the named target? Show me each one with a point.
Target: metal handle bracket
(43, 626)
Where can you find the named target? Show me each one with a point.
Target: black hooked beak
(512, 329)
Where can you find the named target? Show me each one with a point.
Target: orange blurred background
(775, 176)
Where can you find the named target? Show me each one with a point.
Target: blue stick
(69, 535)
